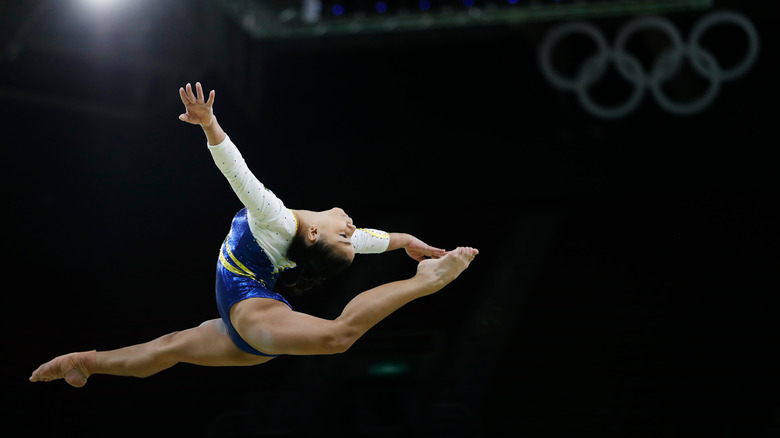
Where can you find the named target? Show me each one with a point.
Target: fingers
(211, 98)
(427, 252)
(437, 252)
(418, 246)
(184, 99)
(431, 250)
(199, 88)
(188, 96)
(421, 254)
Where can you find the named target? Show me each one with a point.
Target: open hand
(419, 250)
(198, 111)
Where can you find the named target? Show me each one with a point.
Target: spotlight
(102, 8)
(100, 4)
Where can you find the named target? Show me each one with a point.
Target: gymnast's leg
(208, 344)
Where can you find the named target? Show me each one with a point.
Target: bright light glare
(101, 4)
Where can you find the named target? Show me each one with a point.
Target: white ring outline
(616, 111)
(665, 65)
(693, 106)
(559, 32)
(708, 21)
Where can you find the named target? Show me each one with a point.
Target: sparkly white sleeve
(370, 241)
(259, 202)
(272, 225)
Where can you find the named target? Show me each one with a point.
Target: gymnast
(257, 323)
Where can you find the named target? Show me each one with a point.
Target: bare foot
(440, 272)
(75, 368)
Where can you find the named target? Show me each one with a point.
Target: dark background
(628, 272)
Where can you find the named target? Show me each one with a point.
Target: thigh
(209, 344)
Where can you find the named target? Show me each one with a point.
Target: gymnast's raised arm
(262, 205)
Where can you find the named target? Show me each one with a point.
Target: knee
(218, 324)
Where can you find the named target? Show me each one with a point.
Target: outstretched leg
(272, 327)
(207, 344)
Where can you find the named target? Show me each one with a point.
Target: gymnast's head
(322, 247)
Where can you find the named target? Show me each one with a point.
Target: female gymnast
(257, 323)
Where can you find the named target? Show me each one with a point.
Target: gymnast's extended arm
(370, 241)
(261, 203)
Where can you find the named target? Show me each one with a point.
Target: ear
(312, 234)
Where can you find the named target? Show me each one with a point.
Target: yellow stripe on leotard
(230, 267)
(239, 268)
(240, 265)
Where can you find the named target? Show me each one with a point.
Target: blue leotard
(243, 271)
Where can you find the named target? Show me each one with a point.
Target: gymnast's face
(337, 229)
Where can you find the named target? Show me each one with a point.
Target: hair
(314, 262)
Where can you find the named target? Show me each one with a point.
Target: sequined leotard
(255, 250)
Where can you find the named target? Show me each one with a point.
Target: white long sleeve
(272, 224)
(370, 241)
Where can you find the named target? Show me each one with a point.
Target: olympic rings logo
(666, 64)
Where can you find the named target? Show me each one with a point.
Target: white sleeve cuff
(370, 241)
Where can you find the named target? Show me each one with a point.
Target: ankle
(90, 361)
(429, 282)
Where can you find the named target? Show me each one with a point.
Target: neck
(306, 218)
